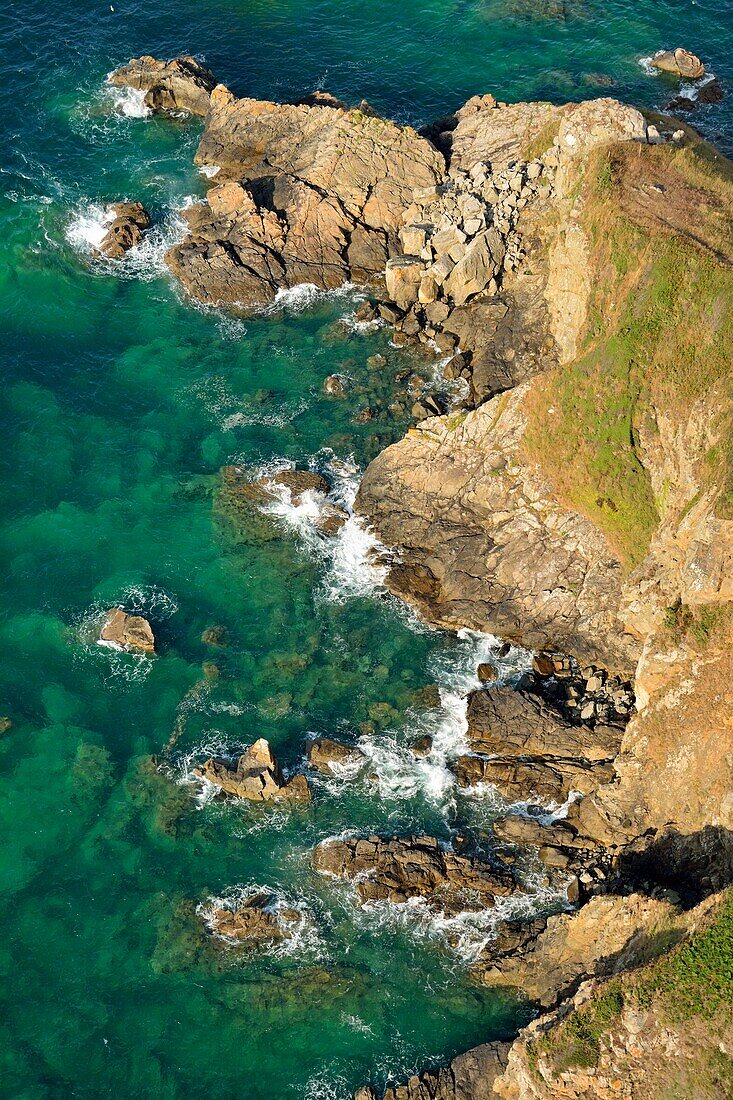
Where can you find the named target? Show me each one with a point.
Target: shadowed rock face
(395, 869)
(307, 194)
(179, 85)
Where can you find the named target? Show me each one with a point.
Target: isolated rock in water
(323, 753)
(307, 194)
(680, 62)
(127, 631)
(255, 920)
(180, 84)
(334, 386)
(131, 219)
(398, 868)
(255, 775)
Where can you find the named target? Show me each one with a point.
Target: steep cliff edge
(575, 510)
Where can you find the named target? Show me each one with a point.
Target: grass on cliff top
(657, 337)
(689, 989)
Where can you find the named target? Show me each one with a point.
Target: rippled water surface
(120, 403)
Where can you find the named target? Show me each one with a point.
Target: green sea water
(120, 402)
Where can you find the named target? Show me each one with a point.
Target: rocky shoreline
(494, 237)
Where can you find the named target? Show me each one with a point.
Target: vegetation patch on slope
(660, 326)
(683, 998)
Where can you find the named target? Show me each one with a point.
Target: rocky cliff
(574, 266)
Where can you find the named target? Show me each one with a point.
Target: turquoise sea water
(120, 403)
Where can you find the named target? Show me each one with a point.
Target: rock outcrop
(255, 776)
(131, 632)
(470, 1076)
(680, 63)
(178, 85)
(485, 543)
(129, 222)
(396, 869)
(252, 921)
(605, 936)
(304, 194)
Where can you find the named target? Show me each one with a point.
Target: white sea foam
(296, 299)
(646, 64)
(400, 774)
(209, 170)
(303, 939)
(88, 227)
(128, 102)
(90, 222)
(353, 559)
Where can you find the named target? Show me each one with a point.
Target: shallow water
(121, 402)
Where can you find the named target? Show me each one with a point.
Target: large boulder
(178, 85)
(400, 868)
(255, 776)
(131, 632)
(679, 62)
(129, 222)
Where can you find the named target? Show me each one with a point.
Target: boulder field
(572, 264)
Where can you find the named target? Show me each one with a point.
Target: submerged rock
(324, 753)
(127, 631)
(255, 775)
(245, 500)
(253, 921)
(399, 868)
(679, 62)
(180, 84)
(130, 221)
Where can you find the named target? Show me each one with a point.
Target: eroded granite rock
(131, 632)
(399, 868)
(129, 222)
(255, 776)
(178, 85)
